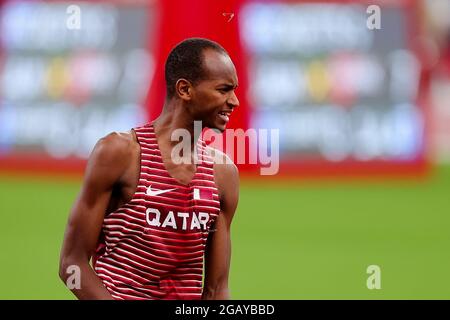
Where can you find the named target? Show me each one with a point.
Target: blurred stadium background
(364, 120)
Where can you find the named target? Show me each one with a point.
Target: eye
(226, 89)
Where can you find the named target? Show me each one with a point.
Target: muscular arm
(105, 167)
(218, 249)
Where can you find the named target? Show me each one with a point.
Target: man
(147, 220)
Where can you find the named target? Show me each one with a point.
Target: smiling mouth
(225, 116)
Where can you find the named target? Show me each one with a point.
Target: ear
(183, 89)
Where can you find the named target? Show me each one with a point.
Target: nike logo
(153, 192)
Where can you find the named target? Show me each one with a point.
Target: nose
(233, 101)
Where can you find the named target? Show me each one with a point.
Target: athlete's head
(201, 73)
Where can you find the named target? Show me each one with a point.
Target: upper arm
(218, 251)
(105, 166)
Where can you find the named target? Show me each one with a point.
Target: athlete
(144, 225)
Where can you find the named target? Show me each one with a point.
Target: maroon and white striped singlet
(153, 246)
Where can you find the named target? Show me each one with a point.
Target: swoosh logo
(153, 192)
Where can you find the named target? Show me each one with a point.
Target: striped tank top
(153, 246)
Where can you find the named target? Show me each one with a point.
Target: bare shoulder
(115, 143)
(223, 165)
(114, 150)
(226, 173)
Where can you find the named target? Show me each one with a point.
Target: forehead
(218, 67)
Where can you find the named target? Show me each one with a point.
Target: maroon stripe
(145, 262)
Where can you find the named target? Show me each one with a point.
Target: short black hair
(186, 61)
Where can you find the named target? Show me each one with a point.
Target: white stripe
(170, 205)
(143, 266)
(155, 296)
(146, 280)
(170, 199)
(126, 213)
(147, 130)
(140, 213)
(171, 266)
(150, 275)
(116, 287)
(134, 205)
(149, 145)
(150, 161)
(108, 265)
(180, 257)
(148, 150)
(149, 141)
(178, 254)
(110, 224)
(176, 234)
(139, 279)
(153, 242)
(151, 152)
(149, 175)
(141, 288)
(144, 166)
(174, 263)
(111, 274)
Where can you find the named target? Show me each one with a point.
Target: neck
(175, 116)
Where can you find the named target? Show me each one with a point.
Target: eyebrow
(228, 85)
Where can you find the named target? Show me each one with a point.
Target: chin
(220, 127)
(216, 126)
(217, 129)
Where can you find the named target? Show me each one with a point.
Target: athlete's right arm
(106, 164)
